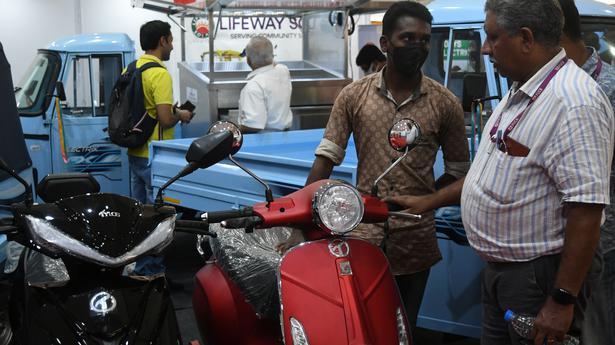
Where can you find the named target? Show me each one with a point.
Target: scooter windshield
(107, 229)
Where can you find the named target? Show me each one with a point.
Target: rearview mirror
(203, 152)
(60, 91)
(222, 126)
(229, 127)
(210, 149)
(404, 134)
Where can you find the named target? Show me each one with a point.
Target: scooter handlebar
(248, 223)
(194, 227)
(196, 224)
(219, 216)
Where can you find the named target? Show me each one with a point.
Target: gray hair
(543, 17)
(260, 51)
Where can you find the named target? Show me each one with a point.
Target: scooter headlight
(337, 207)
(46, 235)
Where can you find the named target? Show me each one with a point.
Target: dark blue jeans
(523, 287)
(141, 189)
(140, 179)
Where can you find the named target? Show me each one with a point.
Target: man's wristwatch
(563, 296)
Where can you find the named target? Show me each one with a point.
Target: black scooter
(70, 287)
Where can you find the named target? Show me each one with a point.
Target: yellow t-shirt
(157, 89)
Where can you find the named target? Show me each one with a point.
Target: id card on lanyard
(497, 135)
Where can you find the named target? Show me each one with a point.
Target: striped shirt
(513, 207)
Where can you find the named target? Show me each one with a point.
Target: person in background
(532, 201)
(370, 59)
(157, 42)
(367, 109)
(264, 103)
(599, 328)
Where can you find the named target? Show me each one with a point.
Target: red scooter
(333, 289)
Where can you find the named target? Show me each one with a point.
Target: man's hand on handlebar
(410, 203)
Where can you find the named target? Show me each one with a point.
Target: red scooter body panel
(223, 315)
(295, 209)
(341, 291)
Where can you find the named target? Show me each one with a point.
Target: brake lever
(394, 211)
(405, 215)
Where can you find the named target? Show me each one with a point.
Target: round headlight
(338, 207)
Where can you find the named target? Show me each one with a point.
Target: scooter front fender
(339, 291)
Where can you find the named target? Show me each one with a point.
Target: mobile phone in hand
(188, 106)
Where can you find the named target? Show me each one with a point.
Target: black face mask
(409, 59)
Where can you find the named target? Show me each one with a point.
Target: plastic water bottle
(524, 324)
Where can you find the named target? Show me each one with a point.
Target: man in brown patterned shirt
(367, 108)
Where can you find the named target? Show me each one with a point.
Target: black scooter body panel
(109, 223)
(98, 305)
(81, 312)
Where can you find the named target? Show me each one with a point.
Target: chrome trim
(339, 248)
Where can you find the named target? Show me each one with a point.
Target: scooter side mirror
(222, 126)
(203, 153)
(404, 134)
(210, 149)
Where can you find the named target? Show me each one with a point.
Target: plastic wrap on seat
(251, 261)
(43, 271)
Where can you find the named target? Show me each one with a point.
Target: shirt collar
(590, 65)
(530, 86)
(384, 91)
(152, 58)
(260, 70)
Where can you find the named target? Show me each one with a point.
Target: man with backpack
(157, 42)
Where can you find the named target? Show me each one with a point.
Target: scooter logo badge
(339, 248)
(105, 214)
(103, 302)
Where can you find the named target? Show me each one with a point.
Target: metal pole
(210, 20)
(183, 36)
(346, 53)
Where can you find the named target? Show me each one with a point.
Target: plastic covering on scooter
(43, 271)
(251, 261)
